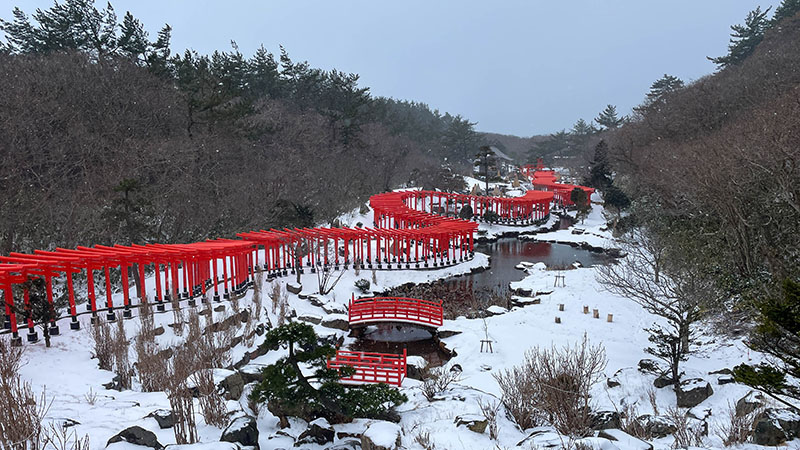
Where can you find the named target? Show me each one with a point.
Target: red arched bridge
(370, 367)
(411, 230)
(366, 311)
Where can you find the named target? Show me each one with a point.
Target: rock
(242, 431)
(334, 308)
(346, 444)
(315, 300)
(319, 431)
(603, 420)
(776, 426)
(381, 436)
(625, 440)
(517, 300)
(649, 366)
(442, 334)
(656, 426)
(613, 382)
(693, 391)
(219, 308)
(523, 292)
(415, 367)
(474, 422)
(252, 372)
(724, 371)
(749, 403)
(164, 417)
(456, 368)
(496, 310)
(725, 379)
(302, 295)
(310, 318)
(663, 381)
(294, 288)
(336, 321)
(138, 436)
(232, 384)
(485, 367)
(158, 331)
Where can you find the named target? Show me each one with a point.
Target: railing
(371, 367)
(395, 309)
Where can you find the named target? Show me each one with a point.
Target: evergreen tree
(616, 198)
(582, 128)
(778, 335)
(663, 86)
(132, 40)
(600, 172)
(608, 118)
(744, 38)
(289, 392)
(581, 201)
(787, 8)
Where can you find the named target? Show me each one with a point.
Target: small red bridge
(371, 367)
(364, 311)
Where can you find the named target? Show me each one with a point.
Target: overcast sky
(515, 67)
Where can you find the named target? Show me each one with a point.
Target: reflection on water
(506, 253)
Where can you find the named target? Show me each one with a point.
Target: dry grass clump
(437, 380)
(21, 412)
(553, 385)
(739, 427)
(180, 396)
(122, 363)
(103, 348)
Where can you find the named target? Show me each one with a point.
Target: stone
(138, 436)
(776, 426)
(693, 391)
(232, 385)
(334, 308)
(613, 382)
(317, 301)
(381, 435)
(603, 420)
(242, 431)
(319, 431)
(310, 318)
(725, 379)
(164, 417)
(337, 322)
(415, 367)
(649, 366)
(496, 310)
(724, 371)
(523, 292)
(656, 426)
(663, 381)
(159, 331)
(624, 440)
(252, 373)
(474, 422)
(294, 288)
(749, 403)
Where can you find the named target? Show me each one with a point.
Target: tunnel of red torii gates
(409, 232)
(547, 180)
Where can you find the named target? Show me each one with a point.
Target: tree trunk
(683, 333)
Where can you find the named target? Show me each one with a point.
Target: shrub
(103, 348)
(490, 216)
(287, 391)
(437, 380)
(466, 212)
(554, 383)
(739, 427)
(362, 285)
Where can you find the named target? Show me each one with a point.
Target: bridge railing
(371, 367)
(395, 309)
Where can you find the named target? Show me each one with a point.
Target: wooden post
(585, 309)
(610, 318)
(560, 306)
(558, 319)
(596, 313)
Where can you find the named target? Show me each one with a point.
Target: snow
(383, 434)
(74, 383)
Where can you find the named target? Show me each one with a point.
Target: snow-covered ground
(75, 384)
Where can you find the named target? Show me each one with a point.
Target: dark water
(393, 338)
(506, 253)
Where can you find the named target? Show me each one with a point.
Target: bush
(466, 212)
(437, 380)
(288, 391)
(362, 285)
(554, 384)
(490, 216)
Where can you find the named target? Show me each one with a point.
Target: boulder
(693, 391)
(230, 383)
(749, 403)
(163, 417)
(294, 288)
(650, 366)
(138, 436)
(613, 382)
(242, 431)
(316, 300)
(310, 318)
(603, 420)
(496, 310)
(656, 426)
(336, 321)
(475, 422)
(776, 426)
(252, 372)
(415, 366)
(318, 432)
(334, 308)
(381, 435)
(442, 334)
(725, 379)
(523, 292)
(663, 381)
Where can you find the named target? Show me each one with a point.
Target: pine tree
(663, 86)
(289, 392)
(132, 40)
(787, 8)
(778, 335)
(744, 38)
(600, 172)
(608, 118)
(582, 128)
